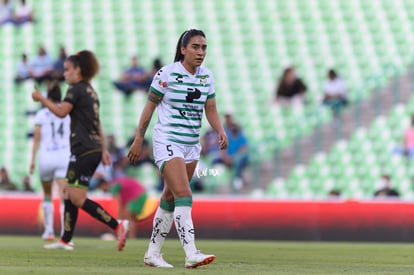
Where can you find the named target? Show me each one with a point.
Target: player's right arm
(60, 110)
(144, 121)
(35, 147)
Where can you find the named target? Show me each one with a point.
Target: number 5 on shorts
(170, 152)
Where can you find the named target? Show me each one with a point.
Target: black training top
(84, 125)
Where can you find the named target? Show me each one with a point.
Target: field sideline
(25, 255)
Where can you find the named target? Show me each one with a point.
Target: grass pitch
(25, 255)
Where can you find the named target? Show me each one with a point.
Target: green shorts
(136, 206)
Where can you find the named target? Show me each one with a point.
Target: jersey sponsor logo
(189, 106)
(188, 114)
(193, 93)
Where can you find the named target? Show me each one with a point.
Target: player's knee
(183, 193)
(77, 201)
(167, 195)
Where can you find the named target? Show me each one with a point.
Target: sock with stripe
(47, 208)
(184, 224)
(162, 223)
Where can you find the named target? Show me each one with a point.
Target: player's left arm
(213, 118)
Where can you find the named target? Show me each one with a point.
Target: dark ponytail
(87, 62)
(183, 42)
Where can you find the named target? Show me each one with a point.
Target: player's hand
(36, 95)
(135, 151)
(223, 140)
(106, 158)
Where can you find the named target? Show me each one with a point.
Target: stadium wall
(246, 219)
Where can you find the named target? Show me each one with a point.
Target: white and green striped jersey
(183, 97)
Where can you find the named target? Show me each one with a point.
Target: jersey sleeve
(38, 120)
(72, 96)
(211, 90)
(159, 82)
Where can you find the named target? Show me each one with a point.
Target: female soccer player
(87, 142)
(51, 139)
(180, 91)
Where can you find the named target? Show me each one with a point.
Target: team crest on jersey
(203, 80)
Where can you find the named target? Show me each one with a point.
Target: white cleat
(47, 236)
(156, 260)
(59, 245)
(198, 259)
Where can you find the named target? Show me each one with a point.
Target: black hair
(183, 42)
(54, 93)
(87, 62)
(332, 73)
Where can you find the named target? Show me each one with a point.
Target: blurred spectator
(134, 78)
(57, 72)
(210, 147)
(6, 12)
(5, 183)
(27, 186)
(196, 182)
(408, 142)
(228, 121)
(23, 13)
(41, 66)
(291, 90)
(119, 160)
(236, 155)
(334, 93)
(334, 194)
(156, 66)
(131, 196)
(385, 189)
(22, 71)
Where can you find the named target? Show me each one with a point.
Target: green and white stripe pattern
(181, 109)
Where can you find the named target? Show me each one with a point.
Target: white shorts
(166, 151)
(53, 164)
